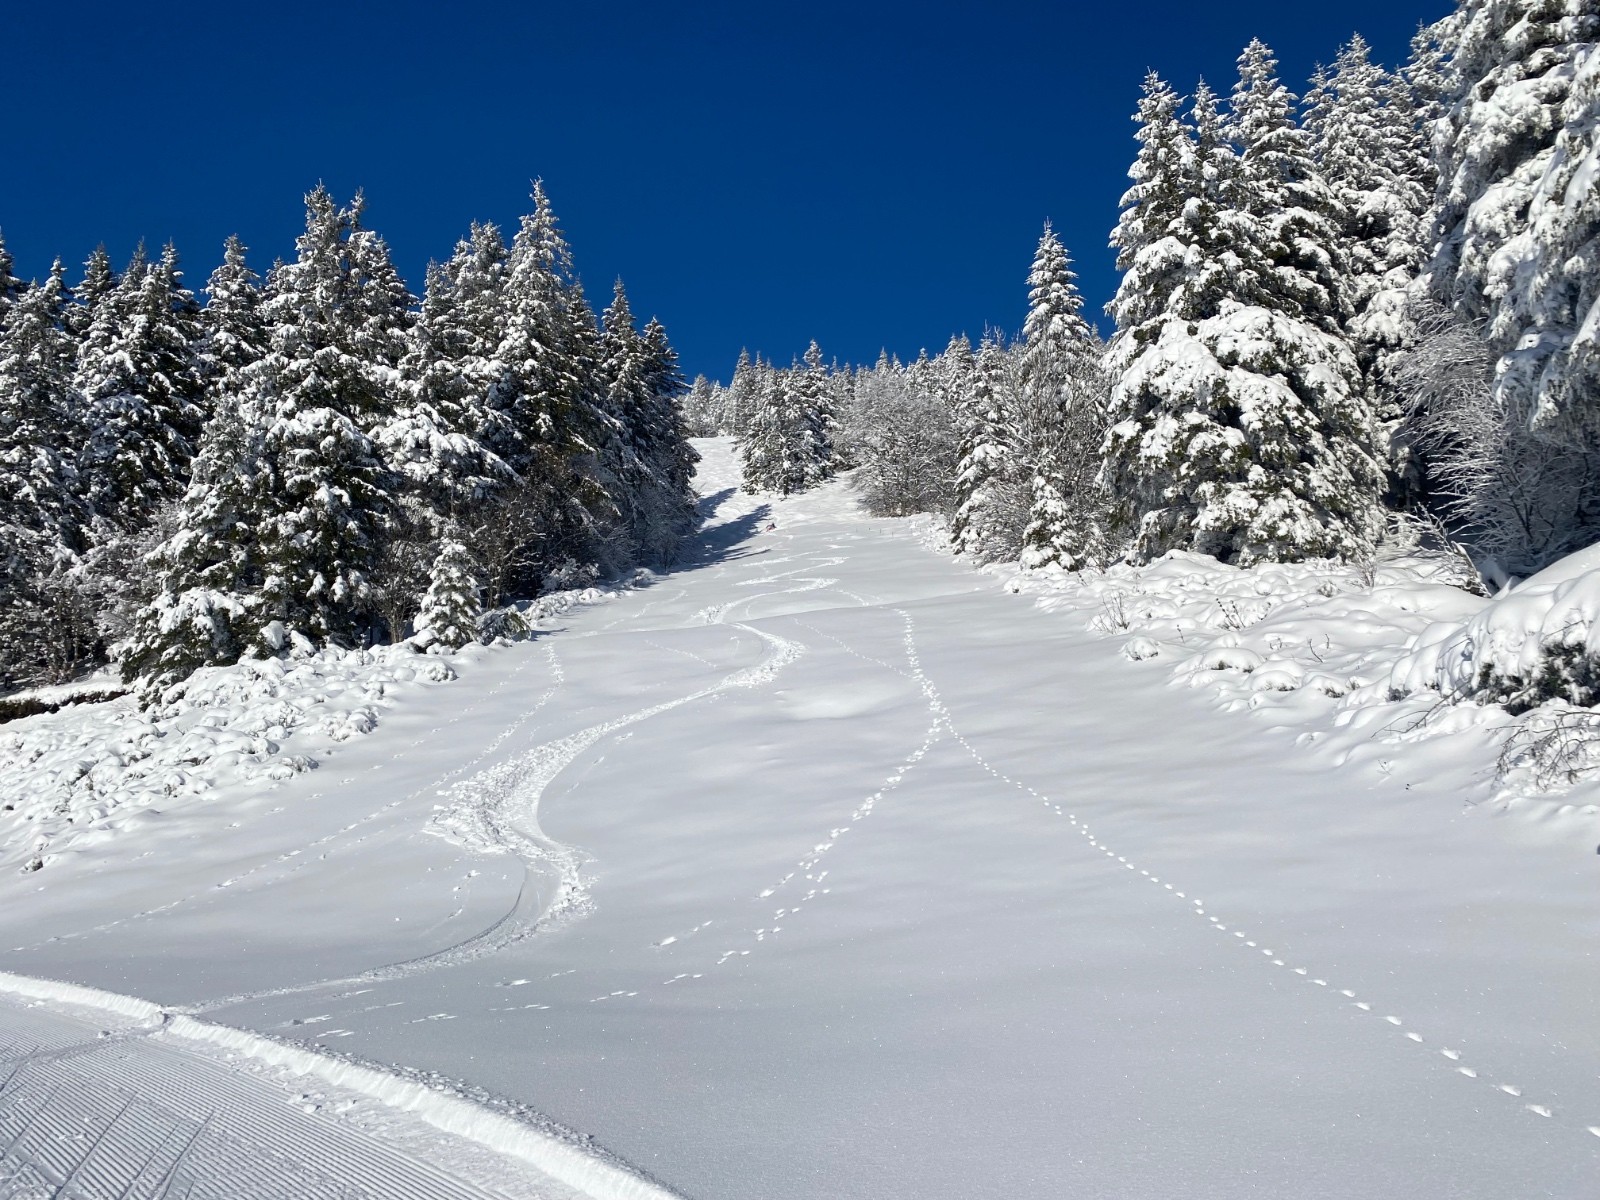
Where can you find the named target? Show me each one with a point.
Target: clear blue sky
(759, 173)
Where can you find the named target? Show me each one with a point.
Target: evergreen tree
(233, 334)
(668, 454)
(140, 395)
(1516, 209)
(741, 401)
(550, 419)
(1062, 422)
(452, 364)
(1240, 429)
(205, 609)
(450, 608)
(1151, 259)
(323, 497)
(45, 634)
(822, 421)
(993, 490)
(776, 447)
(11, 288)
(37, 482)
(1516, 227)
(99, 281)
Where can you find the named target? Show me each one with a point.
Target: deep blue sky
(759, 173)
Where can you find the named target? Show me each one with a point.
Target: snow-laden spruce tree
(774, 447)
(321, 504)
(704, 408)
(11, 288)
(141, 406)
(232, 332)
(205, 606)
(1062, 417)
(549, 406)
(436, 442)
(993, 493)
(816, 398)
(1516, 205)
(1369, 145)
(98, 283)
(1240, 426)
(45, 633)
(665, 440)
(451, 607)
(741, 399)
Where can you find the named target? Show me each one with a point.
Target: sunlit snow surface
(825, 867)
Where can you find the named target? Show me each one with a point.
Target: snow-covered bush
(1538, 641)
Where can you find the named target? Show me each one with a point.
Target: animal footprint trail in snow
(808, 865)
(1241, 938)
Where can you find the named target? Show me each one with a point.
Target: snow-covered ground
(828, 867)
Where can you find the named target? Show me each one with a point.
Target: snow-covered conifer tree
(1062, 418)
(1517, 219)
(323, 498)
(450, 608)
(1240, 427)
(437, 440)
(993, 489)
(141, 399)
(43, 635)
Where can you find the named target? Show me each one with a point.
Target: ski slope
(819, 868)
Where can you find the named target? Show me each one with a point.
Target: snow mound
(80, 771)
(1537, 641)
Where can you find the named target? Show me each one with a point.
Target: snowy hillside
(828, 866)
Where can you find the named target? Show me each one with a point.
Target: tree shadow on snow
(709, 547)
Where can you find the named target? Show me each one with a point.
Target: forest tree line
(1373, 305)
(316, 458)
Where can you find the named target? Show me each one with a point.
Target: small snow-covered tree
(703, 408)
(771, 448)
(1062, 419)
(993, 489)
(450, 608)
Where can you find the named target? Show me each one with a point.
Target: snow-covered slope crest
(581, 1169)
(1505, 648)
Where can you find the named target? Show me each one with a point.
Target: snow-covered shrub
(1536, 642)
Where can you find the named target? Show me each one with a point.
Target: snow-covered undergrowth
(1359, 658)
(86, 770)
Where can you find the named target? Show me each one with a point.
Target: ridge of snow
(583, 1169)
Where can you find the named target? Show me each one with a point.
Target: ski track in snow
(497, 812)
(306, 855)
(1253, 944)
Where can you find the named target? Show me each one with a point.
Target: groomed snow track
(106, 1097)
